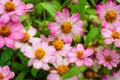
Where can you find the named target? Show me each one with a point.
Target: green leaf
(22, 18)
(91, 36)
(38, 8)
(118, 1)
(91, 11)
(34, 72)
(74, 71)
(81, 8)
(5, 56)
(105, 71)
(17, 66)
(46, 31)
(49, 8)
(93, 2)
(21, 75)
(23, 59)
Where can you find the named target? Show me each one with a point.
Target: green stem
(66, 3)
(44, 14)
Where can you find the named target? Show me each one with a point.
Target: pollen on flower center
(39, 53)
(4, 31)
(116, 35)
(62, 69)
(58, 44)
(108, 58)
(79, 54)
(66, 27)
(110, 16)
(26, 37)
(9, 6)
(1, 76)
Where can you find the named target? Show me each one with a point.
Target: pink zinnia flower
(61, 67)
(80, 56)
(12, 10)
(111, 36)
(109, 14)
(61, 47)
(9, 33)
(66, 27)
(40, 55)
(6, 73)
(109, 58)
(28, 38)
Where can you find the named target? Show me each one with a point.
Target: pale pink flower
(66, 27)
(61, 47)
(53, 76)
(111, 36)
(109, 14)
(9, 33)
(6, 73)
(108, 58)
(75, 1)
(61, 67)
(80, 56)
(12, 10)
(40, 54)
(28, 38)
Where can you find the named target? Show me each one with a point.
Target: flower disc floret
(5, 31)
(9, 6)
(62, 69)
(39, 53)
(26, 38)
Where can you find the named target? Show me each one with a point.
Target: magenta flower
(40, 55)
(6, 73)
(109, 14)
(66, 27)
(108, 58)
(80, 56)
(111, 36)
(113, 76)
(9, 33)
(12, 10)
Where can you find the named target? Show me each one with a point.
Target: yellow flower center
(108, 58)
(110, 16)
(58, 44)
(62, 69)
(4, 31)
(39, 53)
(66, 27)
(26, 37)
(1, 76)
(9, 6)
(79, 54)
(116, 35)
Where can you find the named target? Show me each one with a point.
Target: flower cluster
(58, 52)
(11, 28)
